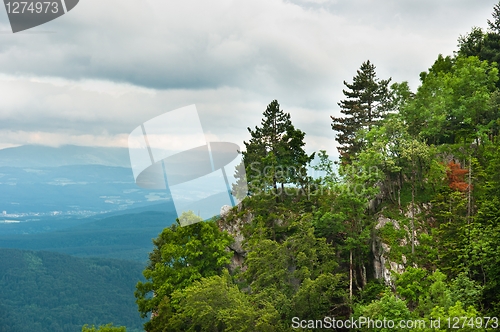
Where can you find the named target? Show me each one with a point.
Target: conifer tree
(366, 99)
(495, 24)
(471, 44)
(275, 151)
(491, 44)
(485, 45)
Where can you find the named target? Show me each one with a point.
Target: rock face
(234, 227)
(383, 266)
(376, 201)
(224, 211)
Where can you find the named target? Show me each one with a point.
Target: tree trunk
(363, 276)
(469, 199)
(399, 198)
(275, 186)
(400, 184)
(350, 275)
(412, 203)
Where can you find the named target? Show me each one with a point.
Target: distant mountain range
(39, 182)
(45, 156)
(32, 193)
(78, 201)
(127, 236)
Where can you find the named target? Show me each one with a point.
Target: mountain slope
(77, 190)
(124, 237)
(52, 292)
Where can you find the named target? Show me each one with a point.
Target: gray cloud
(110, 65)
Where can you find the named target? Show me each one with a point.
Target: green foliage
(275, 154)
(484, 45)
(325, 165)
(457, 317)
(181, 256)
(104, 328)
(51, 292)
(368, 100)
(430, 296)
(393, 237)
(483, 250)
(442, 65)
(316, 297)
(424, 298)
(495, 24)
(389, 307)
(300, 269)
(472, 43)
(283, 278)
(466, 291)
(216, 304)
(438, 293)
(310, 253)
(374, 290)
(451, 103)
(412, 285)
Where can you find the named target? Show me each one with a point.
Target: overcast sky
(93, 75)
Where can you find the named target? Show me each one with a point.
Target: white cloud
(20, 137)
(111, 65)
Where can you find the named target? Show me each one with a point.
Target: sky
(95, 74)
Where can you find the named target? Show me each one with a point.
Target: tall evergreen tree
(275, 151)
(491, 42)
(471, 44)
(495, 24)
(365, 105)
(485, 45)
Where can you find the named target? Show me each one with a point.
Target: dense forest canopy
(407, 227)
(50, 292)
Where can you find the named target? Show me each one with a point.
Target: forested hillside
(126, 236)
(50, 292)
(405, 228)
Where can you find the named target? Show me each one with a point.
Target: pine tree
(364, 106)
(471, 44)
(491, 43)
(495, 24)
(275, 152)
(485, 45)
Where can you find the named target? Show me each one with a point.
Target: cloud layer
(93, 75)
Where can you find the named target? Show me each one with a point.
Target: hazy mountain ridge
(127, 236)
(73, 201)
(45, 156)
(80, 190)
(50, 223)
